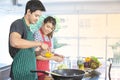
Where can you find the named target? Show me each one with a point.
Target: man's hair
(34, 5)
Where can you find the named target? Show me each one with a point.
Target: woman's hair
(34, 5)
(52, 20)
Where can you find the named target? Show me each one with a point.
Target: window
(87, 34)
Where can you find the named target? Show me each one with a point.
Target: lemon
(48, 54)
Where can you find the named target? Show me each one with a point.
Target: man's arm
(17, 42)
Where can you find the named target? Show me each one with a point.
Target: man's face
(33, 17)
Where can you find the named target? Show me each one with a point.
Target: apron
(24, 61)
(43, 64)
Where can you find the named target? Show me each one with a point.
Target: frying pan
(65, 74)
(46, 72)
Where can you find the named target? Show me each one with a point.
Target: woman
(45, 34)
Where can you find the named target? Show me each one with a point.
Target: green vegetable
(94, 64)
(62, 66)
(95, 59)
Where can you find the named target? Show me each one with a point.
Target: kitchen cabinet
(4, 71)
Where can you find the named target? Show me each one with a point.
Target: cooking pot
(65, 74)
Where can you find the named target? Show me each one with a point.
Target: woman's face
(47, 28)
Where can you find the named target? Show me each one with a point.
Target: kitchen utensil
(69, 74)
(64, 74)
(46, 72)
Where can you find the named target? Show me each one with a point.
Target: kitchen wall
(83, 7)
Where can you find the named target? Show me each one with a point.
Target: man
(21, 44)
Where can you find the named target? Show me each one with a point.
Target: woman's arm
(40, 57)
(55, 58)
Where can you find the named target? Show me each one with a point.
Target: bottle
(80, 63)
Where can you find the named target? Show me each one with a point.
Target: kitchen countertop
(2, 65)
(101, 69)
(4, 71)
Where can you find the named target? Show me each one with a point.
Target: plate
(91, 72)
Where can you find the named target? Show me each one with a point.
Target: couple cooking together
(28, 49)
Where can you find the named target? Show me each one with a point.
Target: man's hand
(44, 46)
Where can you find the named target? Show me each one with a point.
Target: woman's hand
(57, 58)
(60, 56)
